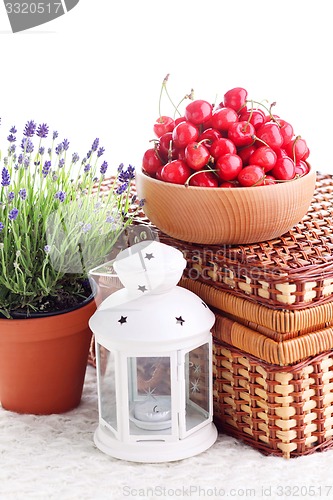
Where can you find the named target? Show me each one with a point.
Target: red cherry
(269, 180)
(284, 169)
(151, 162)
(198, 111)
(264, 157)
(180, 119)
(211, 134)
(196, 155)
(176, 171)
(158, 173)
(223, 118)
(286, 131)
(184, 133)
(255, 116)
(241, 133)
(270, 133)
(235, 98)
(246, 152)
(301, 168)
(227, 184)
(221, 147)
(228, 166)
(252, 175)
(163, 125)
(204, 179)
(166, 149)
(297, 149)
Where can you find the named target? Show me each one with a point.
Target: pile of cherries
(237, 143)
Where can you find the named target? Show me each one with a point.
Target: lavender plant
(56, 220)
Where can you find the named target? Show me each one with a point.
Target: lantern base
(156, 451)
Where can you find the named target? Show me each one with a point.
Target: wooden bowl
(225, 215)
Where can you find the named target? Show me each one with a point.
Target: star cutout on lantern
(195, 386)
(142, 288)
(123, 319)
(197, 368)
(180, 320)
(149, 256)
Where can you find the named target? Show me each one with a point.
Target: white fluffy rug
(54, 457)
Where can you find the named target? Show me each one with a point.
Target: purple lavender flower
(109, 219)
(20, 159)
(30, 129)
(61, 162)
(11, 138)
(41, 150)
(89, 154)
(27, 145)
(87, 167)
(95, 144)
(1, 226)
(5, 177)
(23, 193)
(13, 130)
(46, 168)
(141, 203)
(5, 161)
(65, 144)
(100, 152)
(26, 162)
(126, 175)
(59, 149)
(49, 151)
(47, 248)
(86, 227)
(13, 214)
(75, 158)
(11, 196)
(12, 149)
(55, 135)
(61, 196)
(122, 188)
(43, 130)
(120, 168)
(104, 167)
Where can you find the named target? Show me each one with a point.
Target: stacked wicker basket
(273, 336)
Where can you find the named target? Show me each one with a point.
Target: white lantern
(154, 361)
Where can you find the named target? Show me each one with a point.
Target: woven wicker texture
(280, 411)
(282, 353)
(290, 272)
(276, 324)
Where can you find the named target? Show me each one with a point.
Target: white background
(97, 71)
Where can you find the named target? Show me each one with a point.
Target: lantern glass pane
(149, 395)
(197, 378)
(108, 403)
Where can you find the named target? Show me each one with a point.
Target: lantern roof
(172, 317)
(151, 309)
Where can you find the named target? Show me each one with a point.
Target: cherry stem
(269, 110)
(197, 172)
(163, 86)
(156, 151)
(255, 138)
(294, 148)
(187, 96)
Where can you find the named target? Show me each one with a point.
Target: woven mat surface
(54, 457)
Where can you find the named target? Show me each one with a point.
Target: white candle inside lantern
(152, 410)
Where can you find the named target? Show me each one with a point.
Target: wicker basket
(283, 411)
(290, 272)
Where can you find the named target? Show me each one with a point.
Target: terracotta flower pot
(43, 361)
